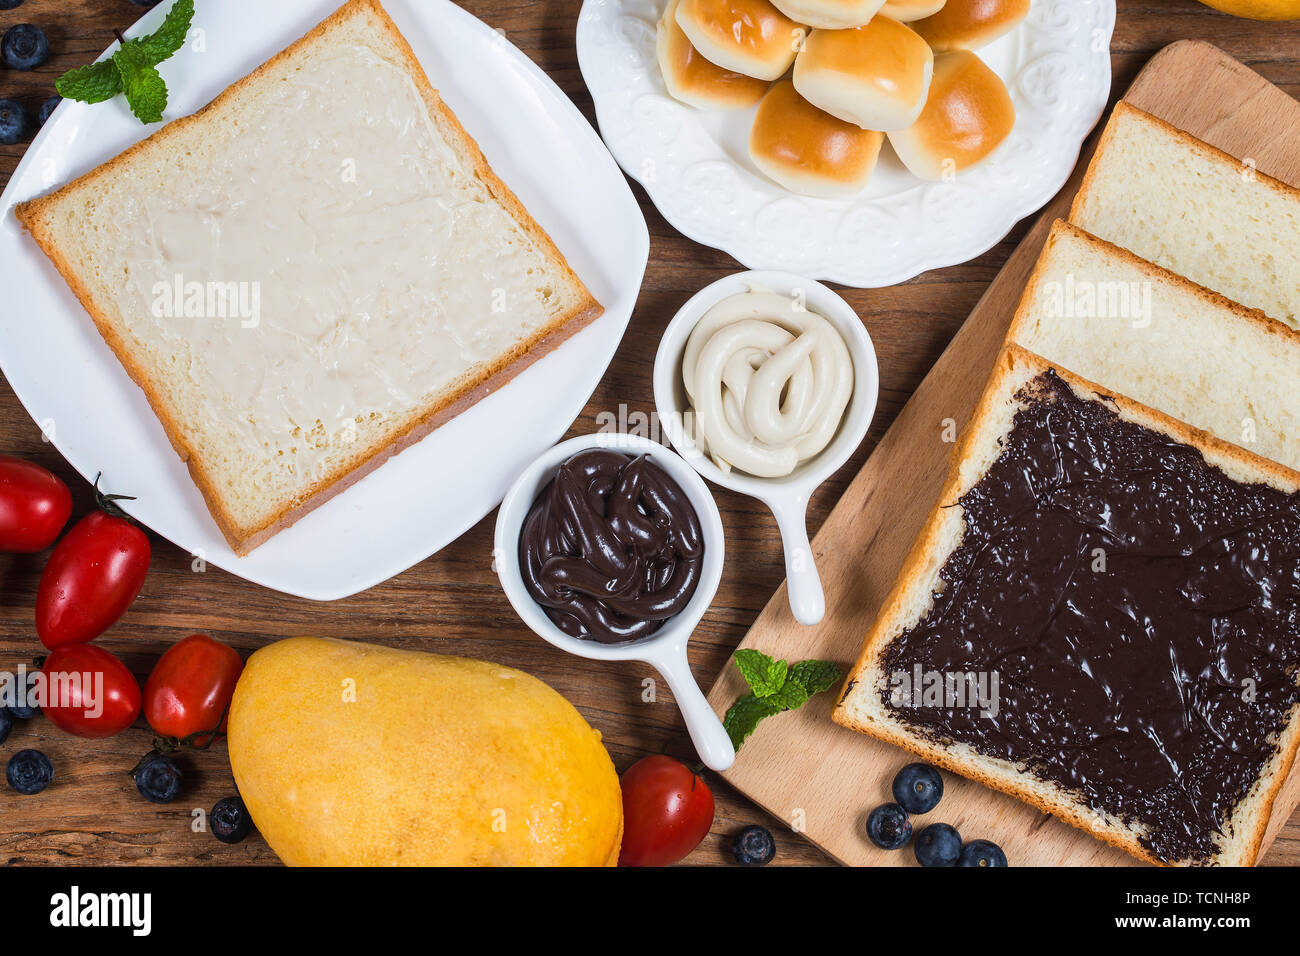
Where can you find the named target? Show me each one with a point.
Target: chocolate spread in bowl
(1141, 610)
(611, 548)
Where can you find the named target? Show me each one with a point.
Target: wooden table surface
(452, 603)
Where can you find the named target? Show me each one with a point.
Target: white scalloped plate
(696, 169)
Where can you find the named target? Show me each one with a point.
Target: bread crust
(1150, 269)
(1010, 370)
(1025, 315)
(1187, 140)
(463, 394)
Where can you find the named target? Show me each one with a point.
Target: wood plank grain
(452, 603)
(862, 545)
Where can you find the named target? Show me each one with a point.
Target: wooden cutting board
(823, 779)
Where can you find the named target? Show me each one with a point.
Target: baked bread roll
(967, 115)
(745, 36)
(909, 10)
(693, 79)
(808, 151)
(876, 76)
(830, 14)
(971, 24)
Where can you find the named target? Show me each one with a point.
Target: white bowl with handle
(665, 650)
(788, 496)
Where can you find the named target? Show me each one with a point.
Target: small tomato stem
(105, 502)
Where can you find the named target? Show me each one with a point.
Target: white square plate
(427, 496)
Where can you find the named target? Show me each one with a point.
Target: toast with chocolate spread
(1100, 617)
(311, 273)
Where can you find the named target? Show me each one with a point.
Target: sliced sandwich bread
(1113, 318)
(1052, 560)
(311, 273)
(1184, 205)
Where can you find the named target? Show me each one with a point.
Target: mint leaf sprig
(774, 687)
(133, 68)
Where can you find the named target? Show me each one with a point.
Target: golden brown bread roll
(830, 14)
(967, 115)
(971, 24)
(693, 79)
(876, 76)
(745, 36)
(909, 10)
(808, 151)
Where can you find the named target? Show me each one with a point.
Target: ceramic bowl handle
(707, 734)
(803, 584)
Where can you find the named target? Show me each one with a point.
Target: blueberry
(157, 778)
(753, 846)
(145, 3)
(937, 845)
(918, 788)
(13, 122)
(6, 725)
(29, 771)
(888, 827)
(981, 853)
(10, 4)
(47, 108)
(230, 821)
(28, 708)
(24, 47)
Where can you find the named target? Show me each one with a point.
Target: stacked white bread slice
(869, 702)
(1182, 204)
(1145, 332)
(397, 280)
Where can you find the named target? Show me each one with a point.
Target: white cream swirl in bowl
(768, 381)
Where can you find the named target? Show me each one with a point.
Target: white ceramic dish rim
(787, 497)
(665, 650)
(594, 59)
(281, 563)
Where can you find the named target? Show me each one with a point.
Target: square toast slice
(1089, 722)
(1195, 210)
(311, 273)
(1111, 317)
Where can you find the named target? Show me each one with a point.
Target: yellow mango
(1258, 9)
(352, 754)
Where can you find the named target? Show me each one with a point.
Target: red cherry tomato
(667, 811)
(93, 576)
(34, 506)
(89, 692)
(190, 688)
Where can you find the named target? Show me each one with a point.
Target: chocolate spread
(1142, 612)
(611, 548)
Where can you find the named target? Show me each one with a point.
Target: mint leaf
(776, 688)
(131, 69)
(815, 676)
(146, 93)
(744, 715)
(791, 696)
(92, 83)
(763, 674)
(171, 33)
